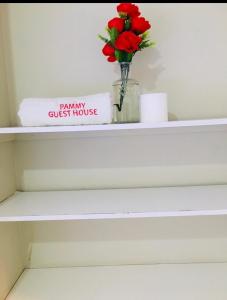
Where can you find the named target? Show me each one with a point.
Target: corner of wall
(7, 108)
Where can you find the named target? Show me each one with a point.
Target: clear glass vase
(126, 94)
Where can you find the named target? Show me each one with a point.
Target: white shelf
(116, 204)
(160, 282)
(210, 124)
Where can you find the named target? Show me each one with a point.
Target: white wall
(7, 175)
(121, 161)
(13, 254)
(13, 248)
(119, 242)
(56, 52)
(7, 180)
(4, 99)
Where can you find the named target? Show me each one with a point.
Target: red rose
(111, 58)
(128, 9)
(128, 41)
(140, 25)
(108, 50)
(117, 23)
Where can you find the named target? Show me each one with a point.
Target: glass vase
(126, 94)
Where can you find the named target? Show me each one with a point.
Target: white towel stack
(92, 109)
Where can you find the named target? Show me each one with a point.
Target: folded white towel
(92, 109)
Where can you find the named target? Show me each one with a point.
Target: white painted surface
(67, 253)
(11, 241)
(166, 158)
(174, 282)
(12, 259)
(129, 241)
(4, 96)
(64, 178)
(7, 138)
(13, 255)
(114, 204)
(195, 125)
(7, 171)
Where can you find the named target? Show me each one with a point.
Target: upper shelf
(173, 126)
(116, 204)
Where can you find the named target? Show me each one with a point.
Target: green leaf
(113, 35)
(108, 30)
(146, 44)
(145, 35)
(129, 57)
(118, 55)
(103, 38)
(143, 45)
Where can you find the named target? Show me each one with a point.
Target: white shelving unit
(63, 207)
(116, 211)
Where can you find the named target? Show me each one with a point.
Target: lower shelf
(159, 282)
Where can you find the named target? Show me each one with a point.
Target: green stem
(124, 79)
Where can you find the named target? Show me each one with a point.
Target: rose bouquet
(128, 34)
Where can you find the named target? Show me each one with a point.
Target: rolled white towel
(92, 109)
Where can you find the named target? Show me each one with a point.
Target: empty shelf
(116, 203)
(160, 282)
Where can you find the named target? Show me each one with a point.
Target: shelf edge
(104, 216)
